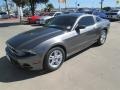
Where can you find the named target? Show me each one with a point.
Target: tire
(102, 38)
(53, 62)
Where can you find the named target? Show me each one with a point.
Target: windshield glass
(65, 22)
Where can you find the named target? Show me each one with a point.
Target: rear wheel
(54, 59)
(103, 36)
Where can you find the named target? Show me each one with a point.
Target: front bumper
(42, 22)
(29, 63)
(31, 21)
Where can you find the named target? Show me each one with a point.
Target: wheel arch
(53, 46)
(59, 45)
(106, 29)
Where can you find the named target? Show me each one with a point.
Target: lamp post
(101, 3)
(65, 4)
(59, 5)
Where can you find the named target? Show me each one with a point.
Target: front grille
(13, 51)
(41, 19)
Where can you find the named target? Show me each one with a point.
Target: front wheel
(54, 59)
(103, 36)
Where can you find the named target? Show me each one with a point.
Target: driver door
(82, 38)
(88, 34)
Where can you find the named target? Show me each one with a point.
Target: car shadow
(36, 25)
(118, 22)
(10, 73)
(80, 52)
(114, 20)
(9, 24)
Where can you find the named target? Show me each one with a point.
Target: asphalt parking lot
(96, 68)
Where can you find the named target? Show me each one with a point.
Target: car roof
(73, 14)
(55, 12)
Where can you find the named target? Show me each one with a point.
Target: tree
(20, 4)
(101, 3)
(6, 2)
(33, 4)
(118, 1)
(107, 8)
(50, 6)
(45, 2)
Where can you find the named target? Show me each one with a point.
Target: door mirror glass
(80, 27)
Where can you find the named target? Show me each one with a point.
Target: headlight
(25, 53)
(28, 53)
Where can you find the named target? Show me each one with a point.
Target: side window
(87, 21)
(96, 13)
(98, 19)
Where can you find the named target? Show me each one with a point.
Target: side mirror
(80, 27)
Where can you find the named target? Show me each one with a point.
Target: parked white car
(42, 20)
(113, 14)
(4, 15)
(119, 13)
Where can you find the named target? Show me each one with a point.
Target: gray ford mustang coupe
(48, 47)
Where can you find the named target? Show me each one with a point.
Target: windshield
(65, 22)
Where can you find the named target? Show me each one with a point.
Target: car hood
(46, 17)
(32, 38)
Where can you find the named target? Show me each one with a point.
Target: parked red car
(32, 19)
